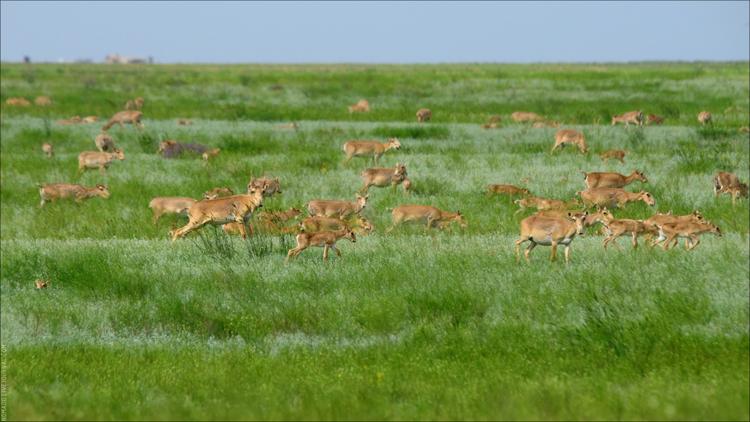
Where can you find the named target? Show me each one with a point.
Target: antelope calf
(613, 197)
(542, 204)
(614, 228)
(611, 180)
(235, 208)
(360, 225)
(570, 136)
(338, 209)
(135, 104)
(217, 193)
(18, 102)
(268, 186)
(651, 224)
(326, 240)
(669, 232)
(122, 117)
(96, 159)
(382, 177)
(362, 106)
(104, 142)
(47, 149)
(616, 154)
(431, 216)
(43, 101)
(369, 148)
(495, 189)
(730, 184)
(170, 205)
(550, 231)
(54, 191)
(525, 116)
(424, 115)
(634, 117)
(705, 118)
(653, 119)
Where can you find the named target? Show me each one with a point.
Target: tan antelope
(135, 104)
(542, 204)
(590, 219)
(268, 186)
(705, 118)
(327, 240)
(572, 137)
(268, 221)
(597, 179)
(369, 148)
(90, 119)
(338, 209)
(361, 106)
(48, 150)
(96, 159)
(634, 117)
(43, 101)
(550, 231)
(104, 142)
(525, 116)
(127, 116)
(616, 154)
(382, 177)
(359, 225)
(235, 208)
(669, 232)
(53, 191)
(653, 119)
(170, 205)
(431, 216)
(613, 197)
(213, 152)
(184, 122)
(729, 183)
(651, 223)
(614, 228)
(424, 115)
(217, 193)
(510, 190)
(41, 283)
(18, 102)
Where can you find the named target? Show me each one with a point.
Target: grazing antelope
(170, 205)
(338, 209)
(361, 106)
(550, 231)
(424, 115)
(431, 216)
(542, 204)
(104, 142)
(651, 223)
(184, 122)
(268, 186)
(653, 119)
(525, 116)
(43, 101)
(613, 197)
(127, 116)
(41, 284)
(382, 177)
(705, 118)
(135, 104)
(235, 208)
(369, 148)
(54, 191)
(616, 154)
(635, 117)
(217, 193)
(213, 152)
(730, 184)
(510, 190)
(611, 180)
(47, 149)
(19, 102)
(359, 225)
(570, 136)
(669, 232)
(326, 240)
(96, 159)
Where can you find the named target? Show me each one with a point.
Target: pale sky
(382, 32)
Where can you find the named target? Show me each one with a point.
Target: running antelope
(48, 150)
(96, 159)
(613, 197)
(525, 116)
(510, 190)
(424, 115)
(431, 216)
(326, 240)
(217, 193)
(616, 154)
(170, 205)
(338, 209)
(614, 228)
(369, 148)
(572, 137)
(705, 118)
(53, 191)
(360, 225)
(670, 232)
(651, 223)
(612, 180)
(550, 231)
(730, 184)
(127, 116)
(235, 208)
(635, 117)
(382, 177)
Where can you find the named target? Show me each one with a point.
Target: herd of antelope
(555, 222)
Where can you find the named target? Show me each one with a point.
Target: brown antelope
(268, 186)
(361, 106)
(730, 184)
(53, 191)
(525, 116)
(184, 122)
(213, 152)
(217, 193)
(705, 118)
(592, 218)
(135, 104)
(542, 204)
(369, 148)
(653, 119)
(47, 149)
(18, 102)
(96, 159)
(338, 209)
(550, 231)
(41, 284)
(424, 115)
(650, 224)
(326, 240)
(43, 101)
(431, 216)
(510, 190)
(269, 222)
(360, 225)
(570, 136)
(611, 180)
(669, 232)
(382, 177)
(235, 208)
(616, 154)
(104, 142)
(170, 205)
(634, 117)
(613, 197)
(127, 116)
(614, 228)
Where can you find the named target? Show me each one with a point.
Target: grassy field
(406, 325)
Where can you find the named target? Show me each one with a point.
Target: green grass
(406, 325)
